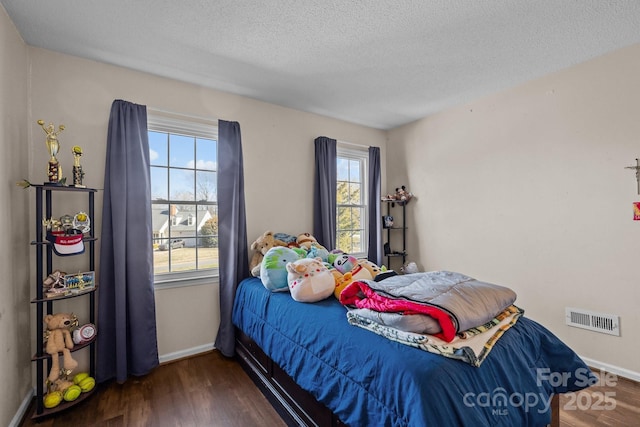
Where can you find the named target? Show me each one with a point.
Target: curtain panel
(232, 229)
(127, 339)
(324, 192)
(375, 216)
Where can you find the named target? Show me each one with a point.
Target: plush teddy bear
(402, 195)
(261, 246)
(59, 340)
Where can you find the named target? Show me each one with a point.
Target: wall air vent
(598, 322)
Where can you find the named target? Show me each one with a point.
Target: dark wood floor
(211, 390)
(204, 390)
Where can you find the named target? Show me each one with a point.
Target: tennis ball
(79, 377)
(53, 399)
(72, 393)
(87, 384)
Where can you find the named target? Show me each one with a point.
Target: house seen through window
(351, 221)
(184, 196)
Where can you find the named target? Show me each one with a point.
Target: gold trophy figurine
(55, 170)
(78, 173)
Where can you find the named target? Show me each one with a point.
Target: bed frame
(296, 406)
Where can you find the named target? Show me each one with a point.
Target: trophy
(78, 173)
(55, 170)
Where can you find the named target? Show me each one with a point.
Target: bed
(317, 369)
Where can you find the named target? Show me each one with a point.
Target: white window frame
(199, 128)
(346, 150)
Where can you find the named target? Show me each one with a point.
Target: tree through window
(351, 201)
(184, 164)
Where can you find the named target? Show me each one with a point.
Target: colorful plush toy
(309, 280)
(261, 246)
(59, 340)
(273, 269)
(342, 282)
(314, 249)
(346, 263)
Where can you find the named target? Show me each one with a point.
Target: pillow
(273, 271)
(309, 280)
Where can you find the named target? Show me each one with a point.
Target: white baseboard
(621, 372)
(22, 410)
(186, 353)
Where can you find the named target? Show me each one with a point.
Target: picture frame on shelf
(387, 221)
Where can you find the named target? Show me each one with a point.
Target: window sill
(179, 280)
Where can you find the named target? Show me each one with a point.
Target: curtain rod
(187, 116)
(353, 144)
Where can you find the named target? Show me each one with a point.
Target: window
(184, 163)
(351, 223)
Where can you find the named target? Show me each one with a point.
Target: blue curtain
(375, 216)
(232, 229)
(324, 192)
(127, 341)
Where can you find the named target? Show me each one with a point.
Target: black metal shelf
(61, 297)
(63, 406)
(76, 347)
(396, 252)
(44, 267)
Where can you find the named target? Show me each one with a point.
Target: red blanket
(360, 295)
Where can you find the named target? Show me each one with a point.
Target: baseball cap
(66, 244)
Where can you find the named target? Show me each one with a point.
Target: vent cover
(598, 322)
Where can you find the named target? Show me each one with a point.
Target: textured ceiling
(376, 63)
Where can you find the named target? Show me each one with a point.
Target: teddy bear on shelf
(402, 195)
(261, 246)
(59, 340)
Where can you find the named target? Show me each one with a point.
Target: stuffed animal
(306, 241)
(342, 282)
(288, 239)
(346, 263)
(318, 251)
(273, 269)
(309, 280)
(409, 268)
(59, 340)
(374, 270)
(402, 195)
(261, 246)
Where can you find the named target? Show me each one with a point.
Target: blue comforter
(368, 380)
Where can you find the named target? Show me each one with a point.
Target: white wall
(527, 188)
(15, 349)
(278, 159)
